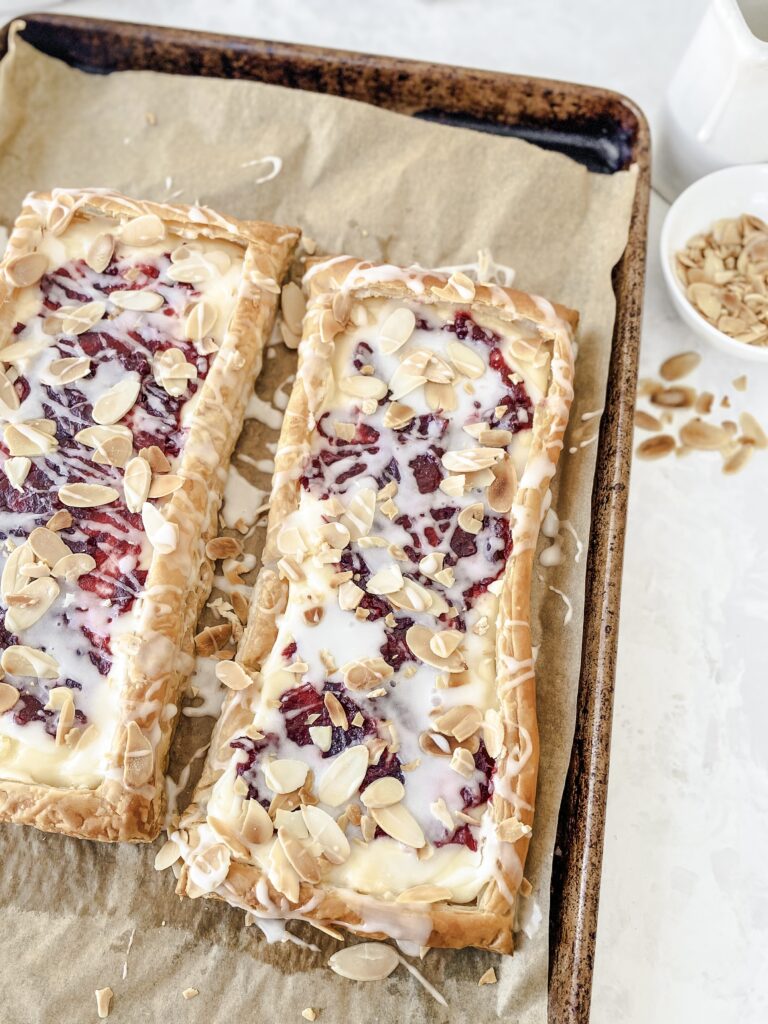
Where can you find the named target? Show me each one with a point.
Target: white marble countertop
(684, 905)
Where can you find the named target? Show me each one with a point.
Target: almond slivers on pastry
(375, 762)
(130, 336)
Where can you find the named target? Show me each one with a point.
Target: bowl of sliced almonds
(714, 256)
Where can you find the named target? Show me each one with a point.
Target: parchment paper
(374, 184)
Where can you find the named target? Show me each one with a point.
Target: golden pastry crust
(487, 923)
(127, 806)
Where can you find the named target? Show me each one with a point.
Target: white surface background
(683, 931)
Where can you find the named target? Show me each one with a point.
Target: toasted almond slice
(461, 721)
(138, 757)
(20, 660)
(488, 978)
(386, 581)
(383, 792)
(493, 732)
(437, 371)
(142, 231)
(162, 534)
(233, 675)
(61, 520)
(470, 518)
(223, 547)
(321, 736)
(256, 825)
(679, 365)
(285, 774)
(495, 438)
(363, 387)
(168, 854)
(410, 374)
(12, 578)
(419, 639)
(396, 329)
(164, 485)
(8, 394)
(201, 320)
(9, 695)
(334, 534)
(136, 483)
(469, 460)
(293, 307)
(398, 822)
(30, 603)
(655, 447)
(350, 596)
(336, 711)
(26, 270)
(48, 545)
(466, 360)
(644, 421)
(72, 567)
(367, 961)
(674, 398)
(99, 252)
(18, 351)
(501, 493)
(425, 894)
(17, 469)
(326, 833)
(117, 401)
(358, 516)
(65, 371)
(87, 495)
(737, 461)
(103, 1001)
(26, 439)
(156, 459)
(440, 396)
(343, 776)
(704, 436)
(365, 673)
(415, 598)
(140, 300)
(398, 415)
(752, 430)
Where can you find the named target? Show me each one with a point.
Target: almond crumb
(309, 1014)
(103, 1001)
(190, 993)
(489, 978)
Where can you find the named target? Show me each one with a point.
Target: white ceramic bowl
(726, 193)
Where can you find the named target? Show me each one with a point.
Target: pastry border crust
(489, 923)
(113, 810)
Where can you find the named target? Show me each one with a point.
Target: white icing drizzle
(567, 602)
(274, 166)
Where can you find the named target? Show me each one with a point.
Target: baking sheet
(377, 185)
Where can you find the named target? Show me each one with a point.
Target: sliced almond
(461, 722)
(679, 365)
(164, 485)
(145, 230)
(324, 830)
(445, 642)
(285, 775)
(87, 495)
(469, 460)
(655, 447)
(387, 581)
(321, 736)
(99, 252)
(501, 493)
(138, 757)
(116, 401)
(367, 961)
(470, 518)
(256, 825)
(398, 415)
(140, 300)
(410, 374)
(752, 430)
(419, 640)
(167, 855)
(104, 998)
(363, 387)
(413, 597)
(30, 603)
(358, 516)
(488, 977)
(161, 534)
(365, 673)
(462, 762)
(493, 732)
(9, 695)
(704, 436)
(17, 469)
(27, 439)
(20, 660)
(440, 397)
(201, 320)
(466, 361)
(8, 394)
(66, 371)
(512, 829)
(674, 397)
(383, 792)
(425, 894)
(396, 330)
(26, 270)
(233, 675)
(79, 319)
(137, 480)
(398, 822)
(299, 857)
(343, 776)
(72, 567)
(335, 710)
(737, 461)
(156, 459)
(293, 307)
(48, 545)
(644, 421)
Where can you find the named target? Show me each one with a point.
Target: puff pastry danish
(131, 335)
(375, 763)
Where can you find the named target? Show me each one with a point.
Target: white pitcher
(716, 108)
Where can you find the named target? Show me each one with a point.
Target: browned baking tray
(606, 132)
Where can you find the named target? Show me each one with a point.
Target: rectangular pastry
(130, 336)
(375, 763)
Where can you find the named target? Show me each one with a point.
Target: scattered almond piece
(679, 366)
(489, 978)
(190, 993)
(103, 1001)
(655, 447)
